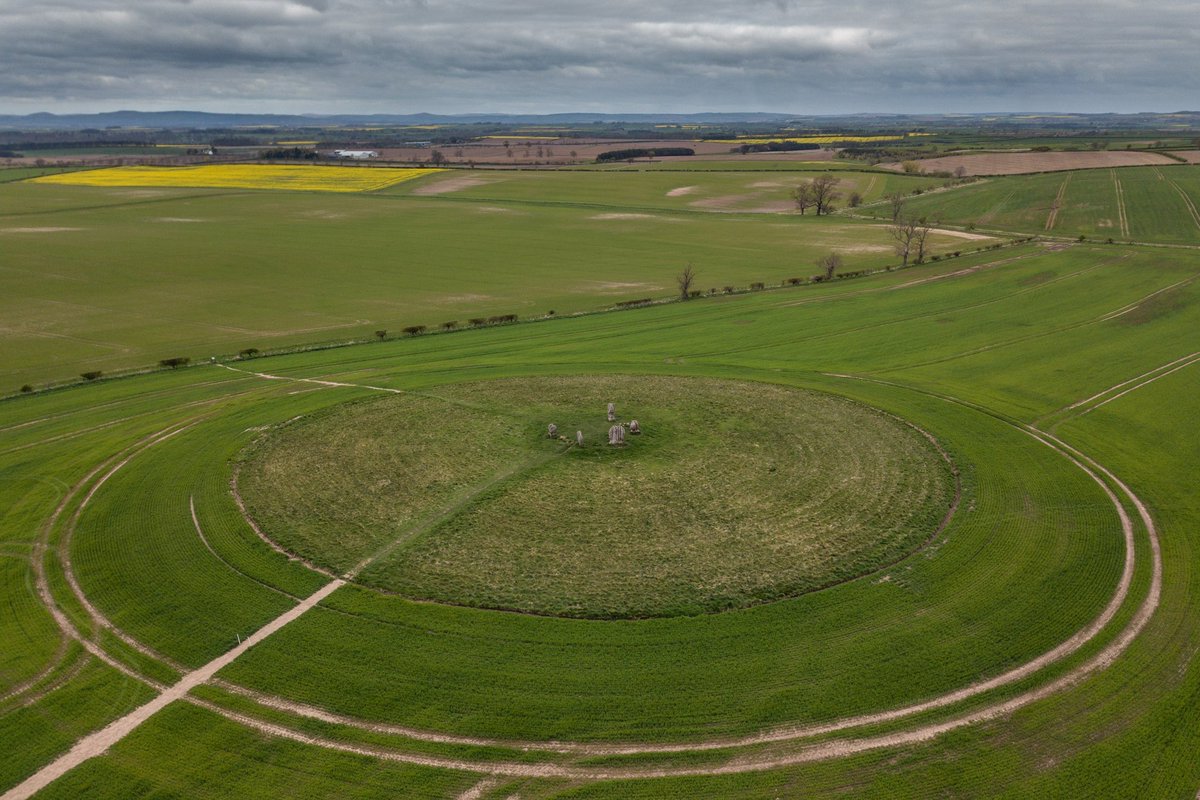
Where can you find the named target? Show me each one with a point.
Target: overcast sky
(529, 56)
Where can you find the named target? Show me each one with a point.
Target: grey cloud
(529, 55)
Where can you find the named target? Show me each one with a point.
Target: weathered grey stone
(616, 435)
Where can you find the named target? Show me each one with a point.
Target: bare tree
(803, 196)
(897, 201)
(911, 236)
(824, 189)
(685, 279)
(830, 264)
(921, 239)
(902, 232)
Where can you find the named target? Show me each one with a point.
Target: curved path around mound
(98, 742)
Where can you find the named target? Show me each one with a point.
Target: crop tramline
(1187, 200)
(1122, 219)
(1058, 203)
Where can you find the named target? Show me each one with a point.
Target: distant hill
(1178, 121)
(207, 120)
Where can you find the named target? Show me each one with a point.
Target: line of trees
(289, 154)
(775, 147)
(640, 152)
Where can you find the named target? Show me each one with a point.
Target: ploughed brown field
(1020, 163)
(559, 151)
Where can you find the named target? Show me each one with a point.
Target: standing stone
(612, 412)
(616, 435)
(579, 438)
(634, 428)
(552, 430)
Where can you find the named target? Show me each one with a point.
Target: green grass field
(1042, 645)
(1131, 204)
(732, 494)
(109, 279)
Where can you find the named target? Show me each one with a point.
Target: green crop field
(116, 278)
(926, 532)
(1131, 204)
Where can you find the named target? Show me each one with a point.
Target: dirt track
(95, 744)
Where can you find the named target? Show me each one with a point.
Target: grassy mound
(736, 494)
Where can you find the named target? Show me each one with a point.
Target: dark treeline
(777, 147)
(637, 152)
(289, 154)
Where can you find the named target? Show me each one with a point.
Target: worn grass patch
(735, 494)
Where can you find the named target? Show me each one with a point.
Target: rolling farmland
(369, 572)
(1024, 162)
(1131, 204)
(103, 279)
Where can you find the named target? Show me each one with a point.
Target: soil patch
(38, 230)
(623, 216)
(960, 234)
(1020, 163)
(449, 185)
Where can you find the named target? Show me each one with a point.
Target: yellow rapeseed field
(301, 177)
